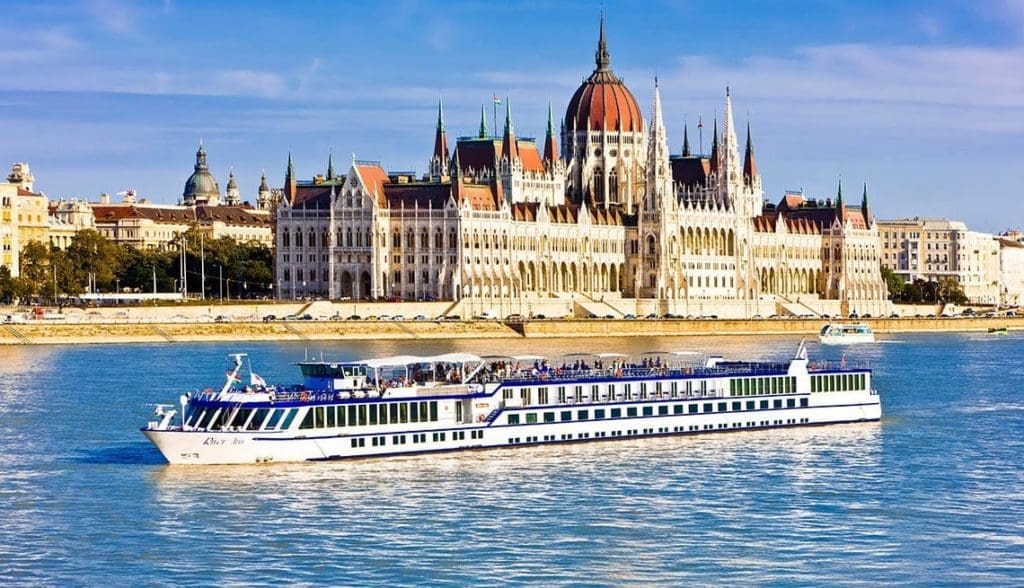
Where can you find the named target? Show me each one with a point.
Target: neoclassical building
(610, 215)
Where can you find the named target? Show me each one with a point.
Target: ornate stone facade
(612, 216)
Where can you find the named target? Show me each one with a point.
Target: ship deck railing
(570, 374)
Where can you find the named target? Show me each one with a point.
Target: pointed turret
(749, 164)
(509, 146)
(840, 207)
(330, 166)
(728, 151)
(289, 180)
(550, 144)
(659, 176)
(865, 210)
(483, 122)
(714, 148)
(686, 141)
(439, 162)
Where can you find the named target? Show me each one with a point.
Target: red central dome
(603, 102)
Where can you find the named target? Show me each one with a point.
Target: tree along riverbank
(174, 332)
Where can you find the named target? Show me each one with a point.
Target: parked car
(419, 317)
(1011, 313)
(894, 315)
(652, 315)
(269, 318)
(354, 317)
(515, 317)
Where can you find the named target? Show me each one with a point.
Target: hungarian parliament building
(600, 213)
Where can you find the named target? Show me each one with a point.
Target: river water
(932, 494)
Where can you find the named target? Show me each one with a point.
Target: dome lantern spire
(601, 57)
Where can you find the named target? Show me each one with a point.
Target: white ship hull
(231, 447)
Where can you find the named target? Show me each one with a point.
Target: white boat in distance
(846, 334)
(457, 401)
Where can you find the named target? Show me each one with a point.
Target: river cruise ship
(849, 334)
(458, 401)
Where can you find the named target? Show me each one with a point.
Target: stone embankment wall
(158, 332)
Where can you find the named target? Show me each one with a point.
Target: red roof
(374, 177)
(480, 154)
(604, 103)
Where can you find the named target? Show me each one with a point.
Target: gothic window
(438, 239)
(298, 238)
(287, 275)
(312, 275)
(369, 238)
(286, 240)
(410, 239)
(312, 238)
(348, 237)
(396, 240)
(298, 274)
(323, 238)
(598, 185)
(453, 240)
(424, 239)
(359, 238)
(650, 246)
(613, 186)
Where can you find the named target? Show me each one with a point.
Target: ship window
(863, 379)
(549, 417)
(307, 421)
(583, 415)
(513, 419)
(362, 415)
(382, 414)
(433, 410)
(373, 414)
(507, 394)
(760, 385)
(566, 415)
(792, 383)
(542, 395)
(257, 419)
(275, 416)
(693, 409)
(675, 388)
(458, 412)
(631, 411)
(773, 385)
(663, 409)
(723, 406)
(192, 414)
(531, 417)
(750, 405)
(709, 407)
(289, 418)
(599, 413)
(352, 416)
(423, 412)
(764, 404)
(778, 403)
(414, 414)
(814, 383)
(616, 413)
(319, 417)
(791, 403)
(330, 417)
(677, 409)
(803, 402)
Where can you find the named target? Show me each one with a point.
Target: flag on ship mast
(256, 379)
(497, 101)
(233, 377)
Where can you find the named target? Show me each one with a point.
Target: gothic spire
(509, 146)
(440, 159)
(550, 144)
(601, 56)
(749, 164)
(714, 147)
(840, 207)
(483, 122)
(330, 166)
(865, 210)
(263, 182)
(289, 180)
(686, 141)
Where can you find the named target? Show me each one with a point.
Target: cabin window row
(361, 415)
(608, 392)
(531, 418)
(762, 385)
(838, 382)
(247, 419)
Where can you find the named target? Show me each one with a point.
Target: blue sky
(923, 100)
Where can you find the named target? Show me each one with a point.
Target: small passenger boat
(998, 330)
(456, 401)
(846, 334)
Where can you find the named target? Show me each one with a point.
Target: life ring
(304, 397)
(481, 418)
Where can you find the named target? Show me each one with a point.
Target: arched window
(438, 239)
(410, 239)
(424, 239)
(348, 237)
(453, 239)
(650, 245)
(286, 239)
(298, 238)
(323, 238)
(396, 239)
